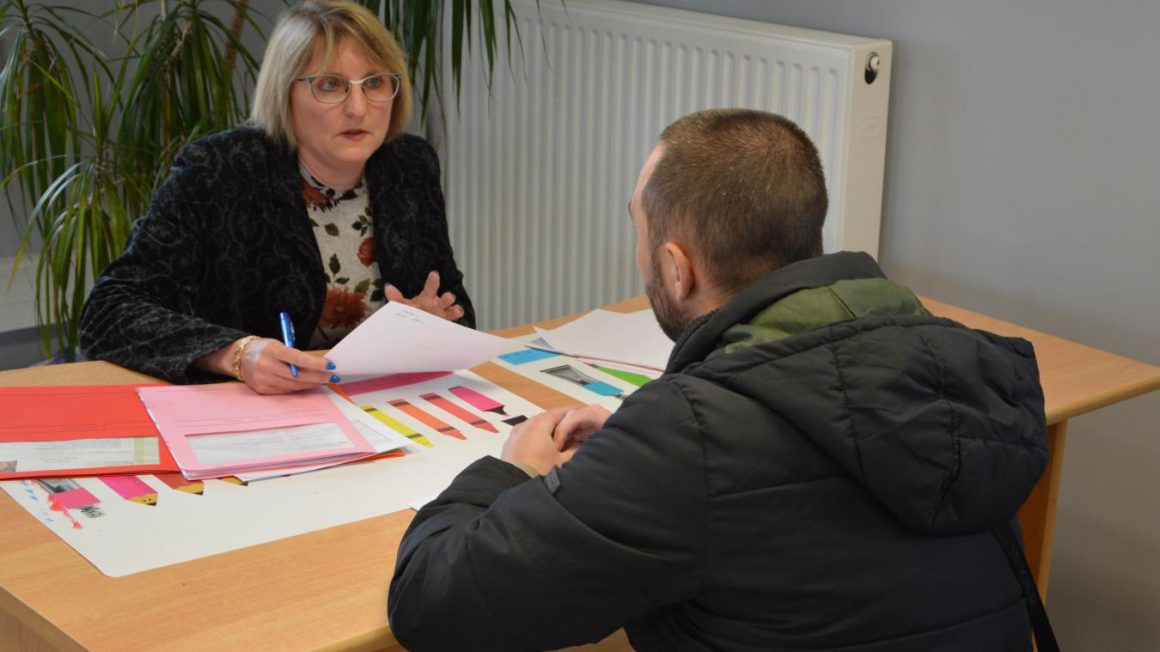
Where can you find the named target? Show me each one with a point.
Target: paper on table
(281, 472)
(380, 437)
(74, 454)
(243, 447)
(256, 431)
(80, 430)
(124, 540)
(398, 338)
(633, 338)
(418, 503)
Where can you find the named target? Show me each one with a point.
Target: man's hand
(552, 438)
(578, 425)
(429, 300)
(530, 443)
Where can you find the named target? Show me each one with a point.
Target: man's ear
(677, 268)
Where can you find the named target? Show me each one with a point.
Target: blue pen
(288, 337)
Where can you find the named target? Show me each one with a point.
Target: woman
(323, 209)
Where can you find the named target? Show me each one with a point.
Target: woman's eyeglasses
(333, 89)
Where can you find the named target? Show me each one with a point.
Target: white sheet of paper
(624, 366)
(226, 448)
(633, 338)
(78, 453)
(419, 503)
(398, 339)
(380, 437)
(373, 436)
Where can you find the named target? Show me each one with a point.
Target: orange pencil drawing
(427, 418)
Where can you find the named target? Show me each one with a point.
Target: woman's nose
(356, 101)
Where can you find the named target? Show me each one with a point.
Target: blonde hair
(326, 23)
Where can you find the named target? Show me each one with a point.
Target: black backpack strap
(1044, 637)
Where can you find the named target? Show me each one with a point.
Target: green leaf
(460, 23)
(331, 229)
(363, 285)
(334, 264)
(85, 138)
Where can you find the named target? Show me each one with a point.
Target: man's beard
(670, 318)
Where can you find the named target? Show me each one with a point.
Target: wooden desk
(327, 590)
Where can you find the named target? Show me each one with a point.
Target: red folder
(81, 412)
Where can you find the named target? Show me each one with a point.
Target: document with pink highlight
(220, 430)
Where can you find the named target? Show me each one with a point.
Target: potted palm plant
(95, 107)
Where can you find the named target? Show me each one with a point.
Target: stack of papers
(221, 430)
(83, 430)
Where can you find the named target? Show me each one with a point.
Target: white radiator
(539, 169)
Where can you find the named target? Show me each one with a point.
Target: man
(823, 465)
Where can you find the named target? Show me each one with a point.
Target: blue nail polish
(335, 379)
(330, 366)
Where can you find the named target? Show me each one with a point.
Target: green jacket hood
(942, 423)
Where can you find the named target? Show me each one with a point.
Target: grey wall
(1022, 169)
(9, 235)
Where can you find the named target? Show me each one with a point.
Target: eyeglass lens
(332, 89)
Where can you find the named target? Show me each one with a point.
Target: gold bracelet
(238, 351)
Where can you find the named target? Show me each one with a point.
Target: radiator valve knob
(873, 63)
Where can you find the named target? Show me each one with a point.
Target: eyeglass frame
(350, 84)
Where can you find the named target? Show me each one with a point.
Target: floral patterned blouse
(342, 227)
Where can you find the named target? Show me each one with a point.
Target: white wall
(1023, 181)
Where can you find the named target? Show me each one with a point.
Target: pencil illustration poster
(567, 375)
(121, 536)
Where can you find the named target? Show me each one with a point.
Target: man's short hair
(743, 189)
(329, 22)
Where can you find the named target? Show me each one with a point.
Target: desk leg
(1037, 516)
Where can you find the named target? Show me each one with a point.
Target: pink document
(219, 430)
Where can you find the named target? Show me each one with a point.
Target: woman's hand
(429, 299)
(264, 365)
